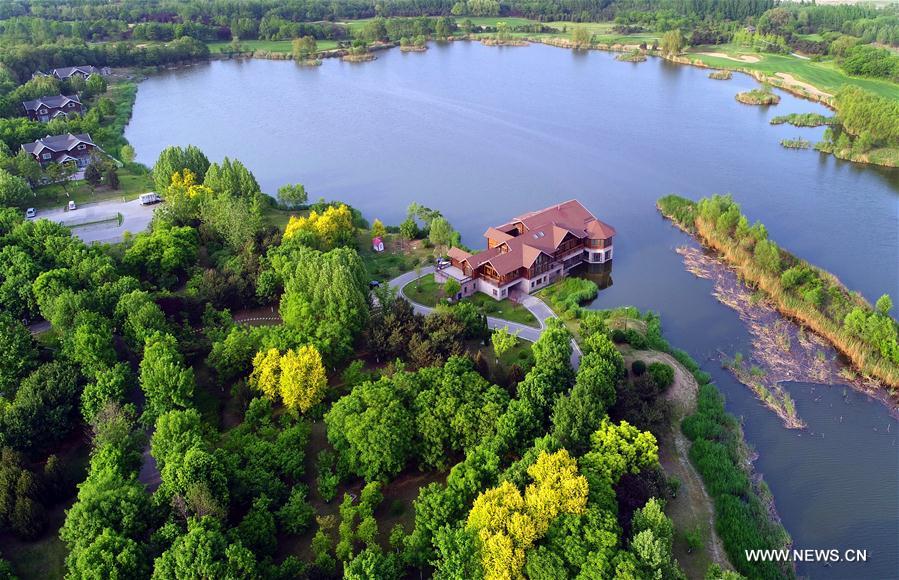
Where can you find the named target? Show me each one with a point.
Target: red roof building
(532, 251)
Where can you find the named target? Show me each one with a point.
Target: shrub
(662, 375)
(638, 368)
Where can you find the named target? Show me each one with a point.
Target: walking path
(537, 307)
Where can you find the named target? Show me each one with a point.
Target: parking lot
(100, 221)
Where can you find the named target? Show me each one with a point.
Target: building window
(43, 111)
(46, 156)
(82, 146)
(494, 291)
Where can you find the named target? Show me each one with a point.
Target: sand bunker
(741, 58)
(791, 80)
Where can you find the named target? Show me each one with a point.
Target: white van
(149, 198)
(30, 212)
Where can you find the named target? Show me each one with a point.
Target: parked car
(30, 212)
(149, 198)
(71, 205)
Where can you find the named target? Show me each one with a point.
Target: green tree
(304, 48)
(451, 287)
(127, 154)
(165, 380)
(672, 42)
(372, 431)
(13, 189)
(231, 178)
(175, 159)
(205, 552)
(95, 85)
(325, 300)
(108, 555)
(109, 385)
(441, 232)
(292, 195)
(18, 354)
(580, 37)
(409, 229)
(93, 175)
(503, 341)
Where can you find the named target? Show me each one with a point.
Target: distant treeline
(22, 60)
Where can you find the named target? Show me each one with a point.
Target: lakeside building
(67, 72)
(47, 108)
(530, 252)
(62, 149)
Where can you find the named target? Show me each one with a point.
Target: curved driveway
(537, 307)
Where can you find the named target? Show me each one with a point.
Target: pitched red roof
(544, 232)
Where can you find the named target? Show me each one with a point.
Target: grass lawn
(281, 46)
(398, 257)
(428, 292)
(823, 75)
(273, 216)
(131, 185)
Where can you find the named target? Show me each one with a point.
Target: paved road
(135, 218)
(537, 307)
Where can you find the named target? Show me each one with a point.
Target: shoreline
(780, 80)
(875, 387)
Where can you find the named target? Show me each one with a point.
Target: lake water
(485, 133)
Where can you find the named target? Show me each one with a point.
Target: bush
(638, 368)
(662, 375)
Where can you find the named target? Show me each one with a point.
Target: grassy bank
(824, 76)
(866, 336)
(272, 46)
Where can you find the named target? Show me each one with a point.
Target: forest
(273, 448)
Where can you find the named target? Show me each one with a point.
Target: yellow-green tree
(297, 377)
(507, 524)
(329, 229)
(266, 375)
(377, 229)
(672, 42)
(580, 37)
(303, 379)
(557, 488)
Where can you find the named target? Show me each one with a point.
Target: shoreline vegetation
(798, 143)
(635, 55)
(762, 96)
(782, 350)
(745, 513)
(802, 120)
(721, 75)
(770, 394)
(865, 335)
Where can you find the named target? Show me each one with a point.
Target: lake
(486, 133)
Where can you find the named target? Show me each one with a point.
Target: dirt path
(692, 507)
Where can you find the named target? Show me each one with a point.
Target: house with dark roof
(47, 108)
(62, 149)
(531, 251)
(82, 71)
